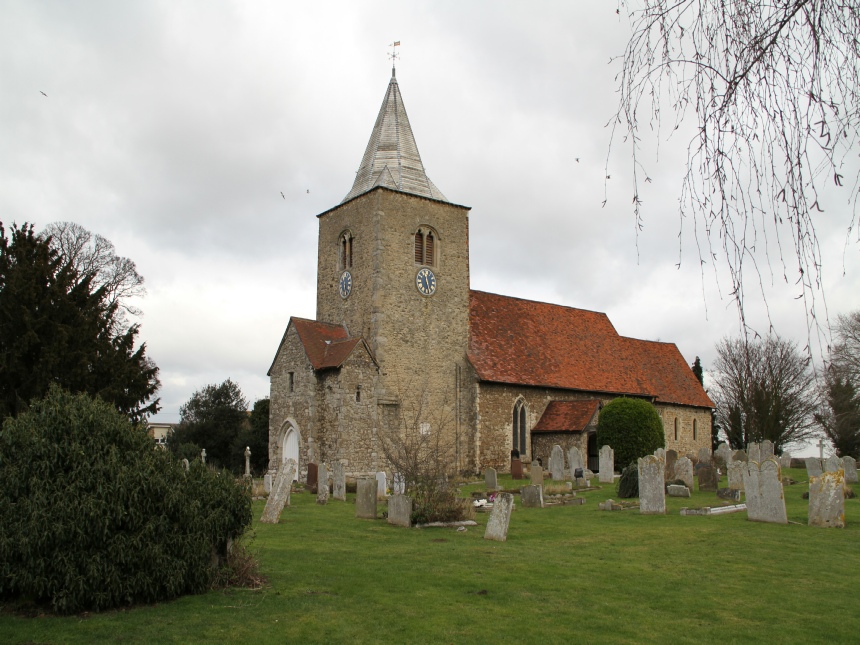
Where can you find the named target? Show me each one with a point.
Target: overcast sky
(171, 128)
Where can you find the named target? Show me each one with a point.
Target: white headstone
(267, 482)
(735, 474)
(556, 464)
(606, 474)
(754, 452)
(381, 485)
(280, 495)
(849, 464)
(684, 471)
(763, 491)
(500, 518)
(574, 458)
(652, 491)
(765, 450)
(785, 460)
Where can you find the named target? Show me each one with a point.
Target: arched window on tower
(695, 430)
(426, 247)
(519, 425)
(676, 428)
(346, 250)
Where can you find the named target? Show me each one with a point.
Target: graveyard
(565, 573)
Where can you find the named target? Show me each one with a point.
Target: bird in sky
(42, 93)
(282, 194)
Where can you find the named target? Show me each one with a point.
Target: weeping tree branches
(773, 90)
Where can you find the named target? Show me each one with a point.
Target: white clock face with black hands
(426, 282)
(345, 285)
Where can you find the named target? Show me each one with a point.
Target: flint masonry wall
(686, 416)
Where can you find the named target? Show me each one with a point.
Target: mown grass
(566, 574)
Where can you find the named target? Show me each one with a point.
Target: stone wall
(685, 416)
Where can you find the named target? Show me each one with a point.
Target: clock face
(345, 286)
(426, 282)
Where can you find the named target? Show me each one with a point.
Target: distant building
(160, 432)
(400, 340)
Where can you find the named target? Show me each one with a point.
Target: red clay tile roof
(538, 344)
(326, 345)
(567, 416)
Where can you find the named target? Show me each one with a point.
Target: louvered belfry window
(419, 248)
(346, 251)
(425, 248)
(428, 249)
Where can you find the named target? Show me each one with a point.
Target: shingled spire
(391, 158)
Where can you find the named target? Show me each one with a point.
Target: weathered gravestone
(400, 510)
(723, 454)
(188, 467)
(677, 490)
(247, 461)
(832, 464)
(754, 452)
(381, 485)
(587, 475)
(536, 474)
(814, 466)
(338, 478)
(827, 500)
(785, 460)
(322, 485)
(516, 469)
(850, 467)
(500, 518)
(671, 460)
(684, 471)
(652, 483)
(574, 458)
(704, 455)
(763, 491)
(765, 450)
(267, 482)
(365, 499)
(735, 472)
(708, 479)
(606, 474)
(556, 464)
(739, 455)
(490, 479)
(660, 453)
(311, 480)
(203, 456)
(531, 496)
(398, 484)
(280, 495)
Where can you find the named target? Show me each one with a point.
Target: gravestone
(724, 454)
(739, 455)
(398, 484)
(652, 483)
(660, 453)
(684, 472)
(188, 467)
(676, 490)
(704, 455)
(832, 464)
(280, 495)
(203, 456)
(536, 474)
(338, 481)
(490, 479)
(556, 464)
(322, 485)
(671, 460)
(311, 480)
(587, 475)
(827, 500)
(849, 465)
(814, 466)
(267, 482)
(574, 458)
(400, 510)
(765, 450)
(763, 491)
(516, 469)
(247, 461)
(735, 472)
(365, 498)
(708, 479)
(381, 485)
(754, 452)
(500, 518)
(532, 496)
(606, 474)
(785, 460)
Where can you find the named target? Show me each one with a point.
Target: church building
(401, 343)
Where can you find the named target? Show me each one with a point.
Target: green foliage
(632, 428)
(698, 371)
(628, 483)
(437, 501)
(56, 327)
(840, 414)
(92, 516)
(213, 418)
(253, 435)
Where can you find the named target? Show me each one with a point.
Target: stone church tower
(393, 278)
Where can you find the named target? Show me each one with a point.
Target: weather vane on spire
(394, 55)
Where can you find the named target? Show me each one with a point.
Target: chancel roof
(391, 158)
(523, 342)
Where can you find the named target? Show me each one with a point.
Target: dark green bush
(632, 427)
(628, 483)
(92, 516)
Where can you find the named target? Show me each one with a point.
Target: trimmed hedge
(92, 516)
(632, 428)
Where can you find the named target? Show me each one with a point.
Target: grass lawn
(566, 574)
